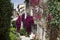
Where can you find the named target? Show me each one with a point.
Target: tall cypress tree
(6, 8)
(55, 21)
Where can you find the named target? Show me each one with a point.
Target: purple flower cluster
(28, 22)
(49, 16)
(18, 23)
(34, 2)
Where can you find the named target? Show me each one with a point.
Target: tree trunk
(53, 33)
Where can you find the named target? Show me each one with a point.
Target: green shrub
(11, 34)
(23, 31)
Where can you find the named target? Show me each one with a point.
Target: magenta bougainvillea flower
(18, 23)
(34, 2)
(28, 22)
(37, 16)
(49, 16)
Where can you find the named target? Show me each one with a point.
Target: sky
(16, 2)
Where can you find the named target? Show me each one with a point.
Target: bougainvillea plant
(18, 23)
(28, 22)
(55, 20)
